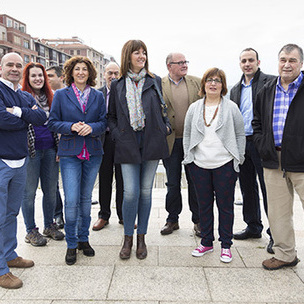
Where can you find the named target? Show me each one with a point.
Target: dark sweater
(13, 130)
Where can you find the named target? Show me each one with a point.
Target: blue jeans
(173, 166)
(44, 167)
(138, 182)
(11, 185)
(78, 179)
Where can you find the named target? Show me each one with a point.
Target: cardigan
(230, 130)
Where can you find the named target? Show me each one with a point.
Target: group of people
(126, 127)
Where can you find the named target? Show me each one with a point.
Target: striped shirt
(282, 101)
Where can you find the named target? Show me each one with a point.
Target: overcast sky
(210, 33)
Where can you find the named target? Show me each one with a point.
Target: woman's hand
(81, 128)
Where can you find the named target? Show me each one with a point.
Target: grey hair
(288, 48)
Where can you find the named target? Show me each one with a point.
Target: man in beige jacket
(179, 91)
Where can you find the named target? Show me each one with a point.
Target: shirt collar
(176, 83)
(296, 83)
(248, 85)
(10, 84)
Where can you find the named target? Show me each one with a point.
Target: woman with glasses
(214, 147)
(139, 130)
(78, 114)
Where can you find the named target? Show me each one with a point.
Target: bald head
(111, 72)
(177, 66)
(11, 68)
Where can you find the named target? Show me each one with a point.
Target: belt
(249, 137)
(278, 148)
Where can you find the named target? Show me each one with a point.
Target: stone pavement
(169, 274)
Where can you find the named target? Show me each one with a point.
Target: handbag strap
(162, 102)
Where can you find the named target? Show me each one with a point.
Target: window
(22, 28)
(78, 52)
(17, 40)
(3, 36)
(26, 59)
(26, 44)
(9, 22)
(41, 51)
(16, 25)
(71, 52)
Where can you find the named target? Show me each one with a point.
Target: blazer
(193, 85)
(127, 148)
(66, 111)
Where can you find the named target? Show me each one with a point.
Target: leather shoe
(169, 228)
(274, 264)
(141, 250)
(125, 251)
(59, 222)
(70, 257)
(10, 281)
(95, 202)
(87, 249)
(20, 262)
(100, 224)
(245, 234)
(269, 246)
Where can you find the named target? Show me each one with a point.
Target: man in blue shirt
(278, 126)
(244, 95)
(17, 110)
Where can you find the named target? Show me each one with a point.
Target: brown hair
(128, 48)
(26, 81)
(69, 66)
(213, 72)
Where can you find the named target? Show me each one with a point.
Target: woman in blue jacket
(139, 130)
(78, 114)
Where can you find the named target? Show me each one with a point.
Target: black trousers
(106, 171)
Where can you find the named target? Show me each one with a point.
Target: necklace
(214, 115)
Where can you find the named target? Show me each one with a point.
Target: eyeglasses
(180, 63)
(110, 73)
(210, 80)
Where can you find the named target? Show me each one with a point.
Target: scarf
(43, 104)
(133, 95)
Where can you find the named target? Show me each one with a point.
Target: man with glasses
(244, 95)
(179, 91)
(107, 165)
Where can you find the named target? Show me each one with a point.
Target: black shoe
(95, 202)
(245, 234)
(269, 246)
(59, 222)
(70, 257)
(87, 249)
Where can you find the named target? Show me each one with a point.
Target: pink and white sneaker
(226, 255)
(201, 250)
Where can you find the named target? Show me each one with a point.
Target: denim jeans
(11, 185)
(78, 179)
(138, 182)
(44, 167)
(173, 166)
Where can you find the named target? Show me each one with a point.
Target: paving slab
(159, 283)
(259, 285)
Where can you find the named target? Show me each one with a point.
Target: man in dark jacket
(278, 126)
(244, 95)
(107, 165)
(17, 110)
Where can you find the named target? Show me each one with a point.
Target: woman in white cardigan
(214, 146)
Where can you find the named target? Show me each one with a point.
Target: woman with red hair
(42, 162)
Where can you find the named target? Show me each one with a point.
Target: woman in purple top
(42, 162)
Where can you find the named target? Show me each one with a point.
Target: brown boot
(141, 251)
(125, 251)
